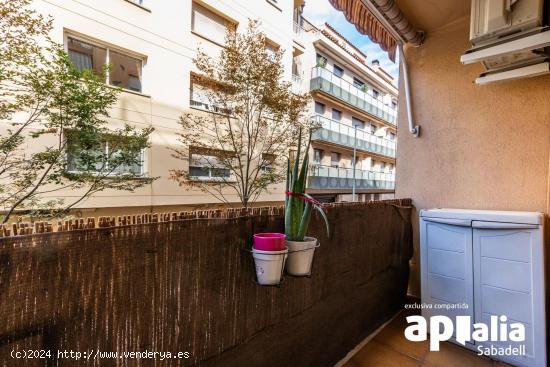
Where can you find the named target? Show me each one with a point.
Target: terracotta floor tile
(394, 337)
(375, 354)
(451, 355)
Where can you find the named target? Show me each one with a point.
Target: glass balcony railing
(337, 133)
(326, 177)
(298, 31)
(325, 81)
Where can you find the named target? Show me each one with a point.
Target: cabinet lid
(485, 215)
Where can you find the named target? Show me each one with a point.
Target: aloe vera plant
(298, 204)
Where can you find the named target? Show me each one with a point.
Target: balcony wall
(338, 133)
(482, 146)
(326, 177)
(325, 81)
(188, 285)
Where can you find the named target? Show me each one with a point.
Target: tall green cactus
(298, 210)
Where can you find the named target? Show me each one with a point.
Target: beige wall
(481, 147)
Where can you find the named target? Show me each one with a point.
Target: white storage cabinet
(493, 261)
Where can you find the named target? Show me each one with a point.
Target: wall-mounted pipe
(413, 129)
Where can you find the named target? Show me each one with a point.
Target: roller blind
(208, 24)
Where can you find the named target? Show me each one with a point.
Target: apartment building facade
(355, 106)
(150, 46)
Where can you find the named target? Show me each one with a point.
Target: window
(355, 122)
(358, 83)
(271, 49)
(97, 156)
(335, 159)
(382, 166)
(319, 108)
(375, 93)
(391, 136)
(203, 99)
(372, 128)
(394, 104)
(125, 71)
(357, 163)
(336, 115)
(338, 71)
(321, 61)
(209, 24)
(86, 56)
(208, 164)
(267, 162)
(317, 156)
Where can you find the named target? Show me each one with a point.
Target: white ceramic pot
(300, 256)
(269, 265)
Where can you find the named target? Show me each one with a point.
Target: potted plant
(269, 253)
(298, 208)
(321, 62)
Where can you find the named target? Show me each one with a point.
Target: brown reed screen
(189, 286)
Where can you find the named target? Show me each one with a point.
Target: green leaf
(323, 214)
(304, 222)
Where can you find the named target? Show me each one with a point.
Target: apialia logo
(442, 328)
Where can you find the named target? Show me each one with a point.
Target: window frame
(142, 172)
(210, 177)
(108, 48)
(332, 162)
(356, 119)
(139, 4)
(338, 113)
(228, 24)
(320, 153)
(340, 71)
(358, 83)
(324, 109)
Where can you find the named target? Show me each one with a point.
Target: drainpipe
(413, 129)
(354, 160)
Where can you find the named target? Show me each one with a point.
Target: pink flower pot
(269, 241)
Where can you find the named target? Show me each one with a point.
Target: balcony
(340, 178)
(337, 133)
(325, 81)
(296, 84)
(298, 32)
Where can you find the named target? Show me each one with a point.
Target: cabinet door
(508, 273)
(446, 264)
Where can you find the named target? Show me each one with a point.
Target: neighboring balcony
(337, 133)
(339, 178)
(298, 32)
(296, 84)
(325, 81)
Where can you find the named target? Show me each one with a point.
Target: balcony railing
(337, 133)
(296, 84)
(325, 81)
(326, 177)
(298, 31)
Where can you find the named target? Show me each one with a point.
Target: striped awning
(357, 13)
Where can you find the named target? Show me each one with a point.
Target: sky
(320, 11)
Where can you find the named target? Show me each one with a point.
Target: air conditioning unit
(494, 19)
(508, 35)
